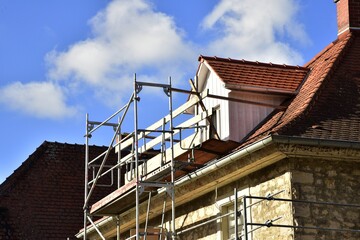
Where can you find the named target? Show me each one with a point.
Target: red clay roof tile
(255, 74)
(328, 103)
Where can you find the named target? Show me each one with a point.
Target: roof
(268, 76)
(328, 103)
(51, 181)
(43, 149)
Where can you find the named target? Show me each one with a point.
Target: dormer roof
(256, 76)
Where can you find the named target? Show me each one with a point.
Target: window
(225, 204)
(229, 222)
(215, 121)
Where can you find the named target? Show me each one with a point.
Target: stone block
(303, 177)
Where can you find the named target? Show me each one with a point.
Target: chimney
(348, 15)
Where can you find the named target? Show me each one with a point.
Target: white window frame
(227, 202)
(216, 120)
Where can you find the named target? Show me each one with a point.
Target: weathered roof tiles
(328, 103)
(255, 74)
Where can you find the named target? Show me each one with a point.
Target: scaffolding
(132, 159)
(150, 161)
(146, 168)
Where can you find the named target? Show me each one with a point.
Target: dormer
(244, 93)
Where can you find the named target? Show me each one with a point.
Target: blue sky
(61, 59)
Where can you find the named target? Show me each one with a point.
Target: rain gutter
(200, 173)
(243, 152)
(271, 139)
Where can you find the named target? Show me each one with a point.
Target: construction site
(245, 150)
(265, 151)
(194, 178)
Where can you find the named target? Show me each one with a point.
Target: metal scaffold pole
(245, 218)
(136, 150)
(236, 214)
(172, 163)
(136, 157)
(119, 155)
(86, 187)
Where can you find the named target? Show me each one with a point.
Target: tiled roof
(44, 197)
(267, 76)
(328, 103)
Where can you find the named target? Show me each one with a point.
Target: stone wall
(274, 179)
(295, 178)
(269, 210)
(326, 181)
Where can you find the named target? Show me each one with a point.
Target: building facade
(272, 152)
(293, 169)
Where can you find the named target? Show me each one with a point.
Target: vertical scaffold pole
(119, 156)
(136, 157)
(236, 214)
(86, 187)
(245, 218)
(172, 164)
(118, 227)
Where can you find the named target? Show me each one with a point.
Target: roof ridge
(257, 63)
(26, 164)
(327, 48)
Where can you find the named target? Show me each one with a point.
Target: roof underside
(254, 74)
(328, 103)
(122, 199)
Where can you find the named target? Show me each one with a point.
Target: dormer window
(245, 93)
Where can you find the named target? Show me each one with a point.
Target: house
(274, 154)
(44, 197)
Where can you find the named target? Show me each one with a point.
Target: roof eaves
(256, 89)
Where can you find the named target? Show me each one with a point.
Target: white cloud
(128, 36)
(40, 99)
(253, 29)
